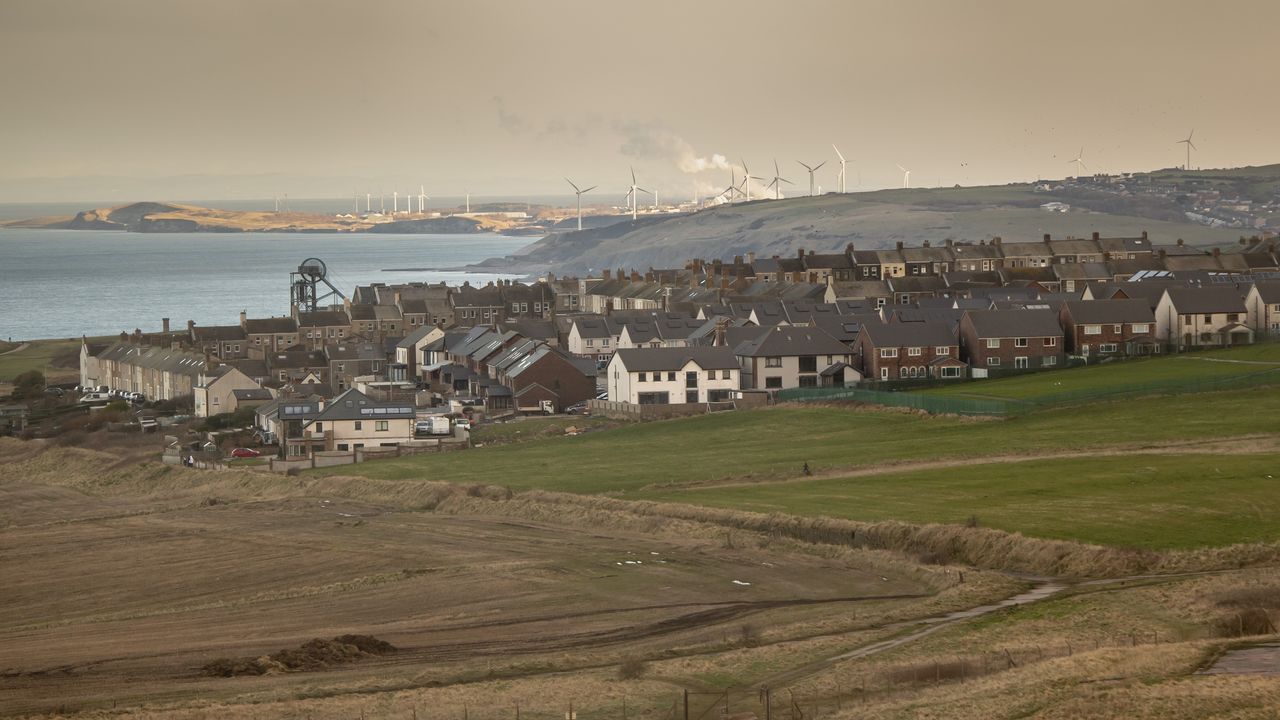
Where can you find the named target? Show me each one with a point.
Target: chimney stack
(899, 244)
(800, 253)
(607, 274)
(191, 327)
(1179, 242)
(722, 326)
(926, 243)
(1217, 252)
(751, 257)
(1046, 237)
(1144, 234)
(164, 325)
(243, 317)
(996, 240)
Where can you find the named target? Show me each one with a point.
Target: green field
(1149, 501)
(775, 443)
(1262, 360)
(37, 356)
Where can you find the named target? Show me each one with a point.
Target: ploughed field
(122, 599)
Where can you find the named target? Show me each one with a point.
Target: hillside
(880, 219)
(174, 217)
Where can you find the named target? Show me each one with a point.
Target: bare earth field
(124, 578)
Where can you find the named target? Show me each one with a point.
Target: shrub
(1258, 596)
(72, 438)
(1246, 622)
(750, 635)
(632, 669)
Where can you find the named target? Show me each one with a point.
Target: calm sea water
(67, 283)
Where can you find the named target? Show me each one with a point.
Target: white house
(213, 391)
(789, 356)
(673, 376)
(1193, 317)
(1263, 303)
(352, 420)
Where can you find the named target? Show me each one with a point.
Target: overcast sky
(329, 98)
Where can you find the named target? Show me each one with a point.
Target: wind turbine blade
(902, 168)
(593, 187)
(786, 181)
(1193, 145)
(819, 166)
(633, 176)
(575, 187)
(833, 147)
(643, 190)
(806, 167)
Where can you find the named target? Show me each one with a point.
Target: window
(515, 307)
(773, 382)
(1186, 319)
(993, 361)
(913, 352)
(1231, 317)
(1141, 328)
(359, 425)
(1107, 348)
(888, 352)
(1208, 318)
(828, 360)
(380, 425)
(773, 362)
(1118, 328)
(643, 377)
(319, 427)
(726, 375)
(711, 374)
(808, 381)
(1019, 342)
(1049, 361)
(1020, 362)
(343, 447)
(671, 377)
(719, 395)
(884, 373)
(604, 342)
(993, 343)
(654, 398)
(902, 372)
(591, 343)
(1051, 342)
(1092, 329)
(808, 364)
(950, 372)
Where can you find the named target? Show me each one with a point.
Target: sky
(178, 99)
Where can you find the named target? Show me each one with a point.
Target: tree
(28, 385)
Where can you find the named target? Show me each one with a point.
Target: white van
(95, 398)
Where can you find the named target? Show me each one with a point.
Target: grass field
(1148, 501)
(1121, 376)
(776, 443)
(38, 355)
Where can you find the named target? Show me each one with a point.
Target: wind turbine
(733, 185)
(747, 177)
(579, 193)
(777, 182)
(633, 194)
(423, 197)
(906, 177)
(813, 170)
(839, 177)
(1079, 161)
(1190, 146)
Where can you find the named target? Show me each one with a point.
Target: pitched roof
(1014, 323)
(931, 333)
(1207, 300)
(270, 326)
(790, 340)
(647, 359)
(355, 405)
(1102, 312)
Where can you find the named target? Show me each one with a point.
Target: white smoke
(654, 141)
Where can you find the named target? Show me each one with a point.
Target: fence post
(686, 704)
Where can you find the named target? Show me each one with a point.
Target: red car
(245, 453)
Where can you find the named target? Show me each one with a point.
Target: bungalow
(672, 376)
(1017, 339)
(1191, 317)
(910, 350)
(1109, 327)
(789, 356)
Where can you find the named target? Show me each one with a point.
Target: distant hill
(880, 219)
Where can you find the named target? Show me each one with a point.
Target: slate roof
(270, 326)
(791, 340)
(648, 359)
(910, 334)
(1015, 323)
(355, 405)
(219, 333)
(1103, 312)
(1206, 300)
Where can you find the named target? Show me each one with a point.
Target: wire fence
(1004, 407)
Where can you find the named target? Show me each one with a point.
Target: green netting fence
(965, 405)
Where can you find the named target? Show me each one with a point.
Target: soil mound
(315, 654)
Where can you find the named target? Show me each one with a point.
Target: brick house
(1108, 327)
(910, 350)
(1011, 339)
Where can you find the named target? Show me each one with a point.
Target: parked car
(463, 423)
(95, 398)
(245, 453)
(577, 409)
(55, 391)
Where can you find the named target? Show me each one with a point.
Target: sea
(69, 283)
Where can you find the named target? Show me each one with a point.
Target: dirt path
(1233, 362)
(18, 349)
(1250, 444)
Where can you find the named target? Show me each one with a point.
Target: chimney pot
(1046, 237)
(1217, 252)
(899, 244)
(164, 325)
(1144, 234)
(800, 253)
(1179, 242)
(1097, 236)
(751, 257)
(926, 243)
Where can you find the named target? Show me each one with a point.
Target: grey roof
(323, 318)
(1190, 301)
(270, 326)
(355, 405)
(910, 334)
(416, 336)
(252, 394)
(647, 359)
(218, 332)
(1269, 291)
(1101, 312)
(790, 340)
(1015, 323)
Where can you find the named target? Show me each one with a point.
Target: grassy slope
(1157, 502)
(36, 357)
(1119, 376)
(775, 443)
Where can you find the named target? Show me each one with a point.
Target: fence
(958, 405)
(332, 458)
